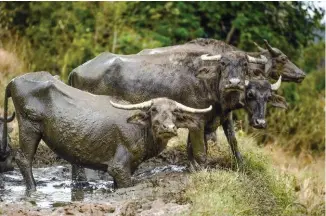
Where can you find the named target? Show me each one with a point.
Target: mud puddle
(153, 188)
(158, 187)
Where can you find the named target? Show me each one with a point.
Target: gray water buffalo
(86, 130)
(277, 62)
(196, 79)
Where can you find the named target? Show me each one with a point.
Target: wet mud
(158, 186)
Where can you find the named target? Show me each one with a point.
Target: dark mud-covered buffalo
(86, 130)
(196, 79)
(277, 62)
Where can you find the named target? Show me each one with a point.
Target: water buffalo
(86, 130)
(195, 79)
(277, 62)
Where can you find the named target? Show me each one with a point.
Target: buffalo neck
(231, 101)
(153, 145)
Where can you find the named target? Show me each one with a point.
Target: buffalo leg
(230, 135)
(210, 129)
(78, 174)
(28, 141)
(197, 147)
(119, 168)
(2, 183)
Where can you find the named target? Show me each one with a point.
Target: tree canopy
(63, 35)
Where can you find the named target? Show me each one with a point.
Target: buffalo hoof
(80, 184)
(121, 184)
(195, 167)
(30, 191)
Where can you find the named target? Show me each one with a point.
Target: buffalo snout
(234, 84)
(258, 123)
(168, 130)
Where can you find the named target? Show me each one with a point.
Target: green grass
(258, 189)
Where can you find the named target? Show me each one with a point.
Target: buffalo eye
(284, 58)
(176, 110)
(250, 94)
(154, 110)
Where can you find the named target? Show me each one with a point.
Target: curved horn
(259, 47)
(271, 49)
(9, 119)
(143, 105)
(276, 85)
(192, 110)
(206, 57)
(261, 60)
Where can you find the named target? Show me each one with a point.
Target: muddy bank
(158, 187)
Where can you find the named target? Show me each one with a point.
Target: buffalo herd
(119, 110)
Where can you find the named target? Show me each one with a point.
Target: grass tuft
(258, 189)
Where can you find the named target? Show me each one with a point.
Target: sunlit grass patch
(258, 189)
(309, 175)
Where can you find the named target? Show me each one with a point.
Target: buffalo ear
(278, 101)
(140, 118)
(206, 73)
(187, 120)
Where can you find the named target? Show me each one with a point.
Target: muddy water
(54, 185)
(158, 187)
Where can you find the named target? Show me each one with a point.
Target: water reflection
(54, 185)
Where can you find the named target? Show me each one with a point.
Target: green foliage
(313, 58)
(63, 35)
(302, 126)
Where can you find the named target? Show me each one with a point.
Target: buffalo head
(279, 64)
(232, 69)
(257, 94)
(163, 115)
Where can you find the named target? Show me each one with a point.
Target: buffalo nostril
(261, 121)
(234, 81)
(171, 127)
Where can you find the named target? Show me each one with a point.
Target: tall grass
(260, 189)
(309, 173)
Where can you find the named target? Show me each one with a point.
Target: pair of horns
(274, 86)
(261, 60)
(148, 104)
(272, 50)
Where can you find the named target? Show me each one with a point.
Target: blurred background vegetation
(59, 36)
